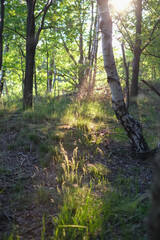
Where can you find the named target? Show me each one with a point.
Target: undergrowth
(70, 135)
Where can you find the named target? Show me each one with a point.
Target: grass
(96, 209)
(70, 136)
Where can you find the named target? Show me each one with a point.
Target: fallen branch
(151, 87)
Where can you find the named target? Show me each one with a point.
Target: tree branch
(151, 54)
(47, 6)
(67, 50)
(14, 30)
(129, 37)
(22, 52)
(151, 87)
(150, 37)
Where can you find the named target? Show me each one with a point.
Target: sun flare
(120, 5)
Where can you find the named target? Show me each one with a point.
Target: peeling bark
(131, 126)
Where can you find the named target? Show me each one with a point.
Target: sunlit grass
(97, 210)
(69, 134)
(94, 209)
(93, 114)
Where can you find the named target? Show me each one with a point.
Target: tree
(32, 38)
(1, 40)
(154, 219)
(137, 49)
(138, 27)
(79, 44)
(131, 126)
(3, 71)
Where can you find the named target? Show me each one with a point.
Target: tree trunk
(93, 58)
(131, 126)
(3, 71)
(89, 76)
(30, 56)
(31, 44)
(50, 72)
(28, 81)
(137, 51)
(35, 81)
(126, 67)
(154, 217)
(1, 41)
(1, 31)
(2, 81)
(81, 59)
(54, 76)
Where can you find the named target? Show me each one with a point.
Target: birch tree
(131, 126)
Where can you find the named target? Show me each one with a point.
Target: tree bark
(126, 67)
(30, 56)
(31, 44)
(93, 58)
(3, 71)
(131, 126)
(50, 72)
(154, 216)
(2, 81)
(137, 51)
(1, 31)
(1, 41)
(35, 81)
(81, 59)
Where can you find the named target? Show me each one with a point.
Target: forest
(79, 120)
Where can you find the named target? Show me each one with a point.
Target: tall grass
(95, 209)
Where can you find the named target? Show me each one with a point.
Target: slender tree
(1, 31)
(131, 126)
(79, 44)
(126, 67)
(31, 44)
(137, 49)
(1, 40)
(3, 72)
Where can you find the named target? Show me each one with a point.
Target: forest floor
(34, 148)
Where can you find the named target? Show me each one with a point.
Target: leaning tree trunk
(131, 126)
